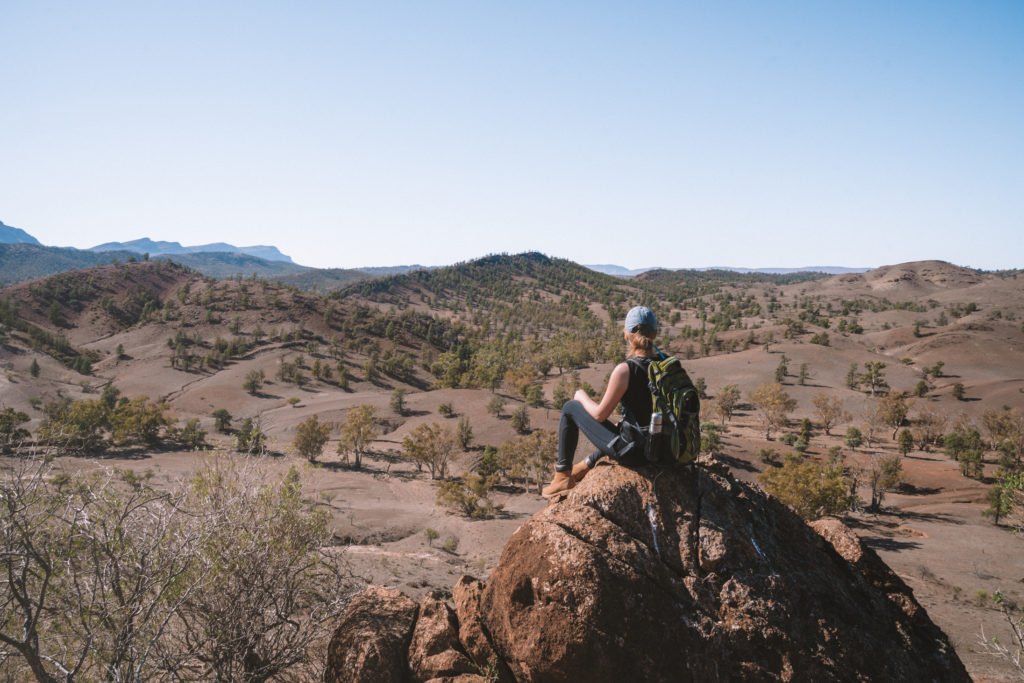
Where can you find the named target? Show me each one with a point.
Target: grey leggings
(604, 435)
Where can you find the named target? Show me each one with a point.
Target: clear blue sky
(375, 133)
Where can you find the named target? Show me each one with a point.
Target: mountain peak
(11, 235)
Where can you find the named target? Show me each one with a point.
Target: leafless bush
(104, 577)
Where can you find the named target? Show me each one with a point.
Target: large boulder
(435, 651)
(685, 574)
(372, 642)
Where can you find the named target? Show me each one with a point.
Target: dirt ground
(932, 534)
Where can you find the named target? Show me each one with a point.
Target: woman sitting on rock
(628, 384)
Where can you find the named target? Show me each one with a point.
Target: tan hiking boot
(579, 470)
(563, 481)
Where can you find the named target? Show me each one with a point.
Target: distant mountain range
(24, 257)
(619, 271)
(157, 248)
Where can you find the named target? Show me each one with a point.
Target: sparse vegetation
(253, 381)
(521, 419)
(431, 445)
(357, 431)
(773, 407)
(812, 490)
(311, 436)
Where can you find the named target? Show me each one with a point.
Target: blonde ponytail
(641, 341)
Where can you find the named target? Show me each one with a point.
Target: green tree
(905, 442)
(527, 458)
(804, 375)
(874, 376)
(267, 594)
(496, 405)
(11, 433)
(853, 377)
(964, 445)
(1005, 496)
(398, 400)
(853, 438)
(33, 368)
(710, 438)
(958, 391)
(829, 411)
(774, 406)
(885, 474)
(138, 421)
(250, 438)
(811, 489)
(74, 427)
(253, 381)
(468, 496)
(358, 430)
(430, 445)
(222, 578)
(782, 370)
(534, 396)
(892, 410)
(1006, 433)
(921, 390)
(311, 436)
(192, 435)
(464, 433)
(521, 419)
(726, 401)
(221, 420)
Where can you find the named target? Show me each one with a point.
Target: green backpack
(674, 396)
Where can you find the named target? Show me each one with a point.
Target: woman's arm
(617, 384)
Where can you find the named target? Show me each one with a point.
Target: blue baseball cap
(640, 315)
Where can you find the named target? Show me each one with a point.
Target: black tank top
(636, 402)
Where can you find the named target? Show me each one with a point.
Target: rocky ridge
(657, 575)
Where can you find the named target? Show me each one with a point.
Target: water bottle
(655, 423)
(653, 436)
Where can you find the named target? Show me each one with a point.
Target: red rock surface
(372, 642)
(689, 575)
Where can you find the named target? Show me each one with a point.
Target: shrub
(358, 430)
(464, 433)
(521, 419)
(398, 400)
(221, 420)
(165, 585)
(191, 435)
(468, 496)
(495, 405)
(768, 456)
(812, 490)
(311, 436)
(431, 445)
(253, 381)
(853, 438)
(446, 410)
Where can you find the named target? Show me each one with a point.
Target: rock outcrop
(675, 575)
